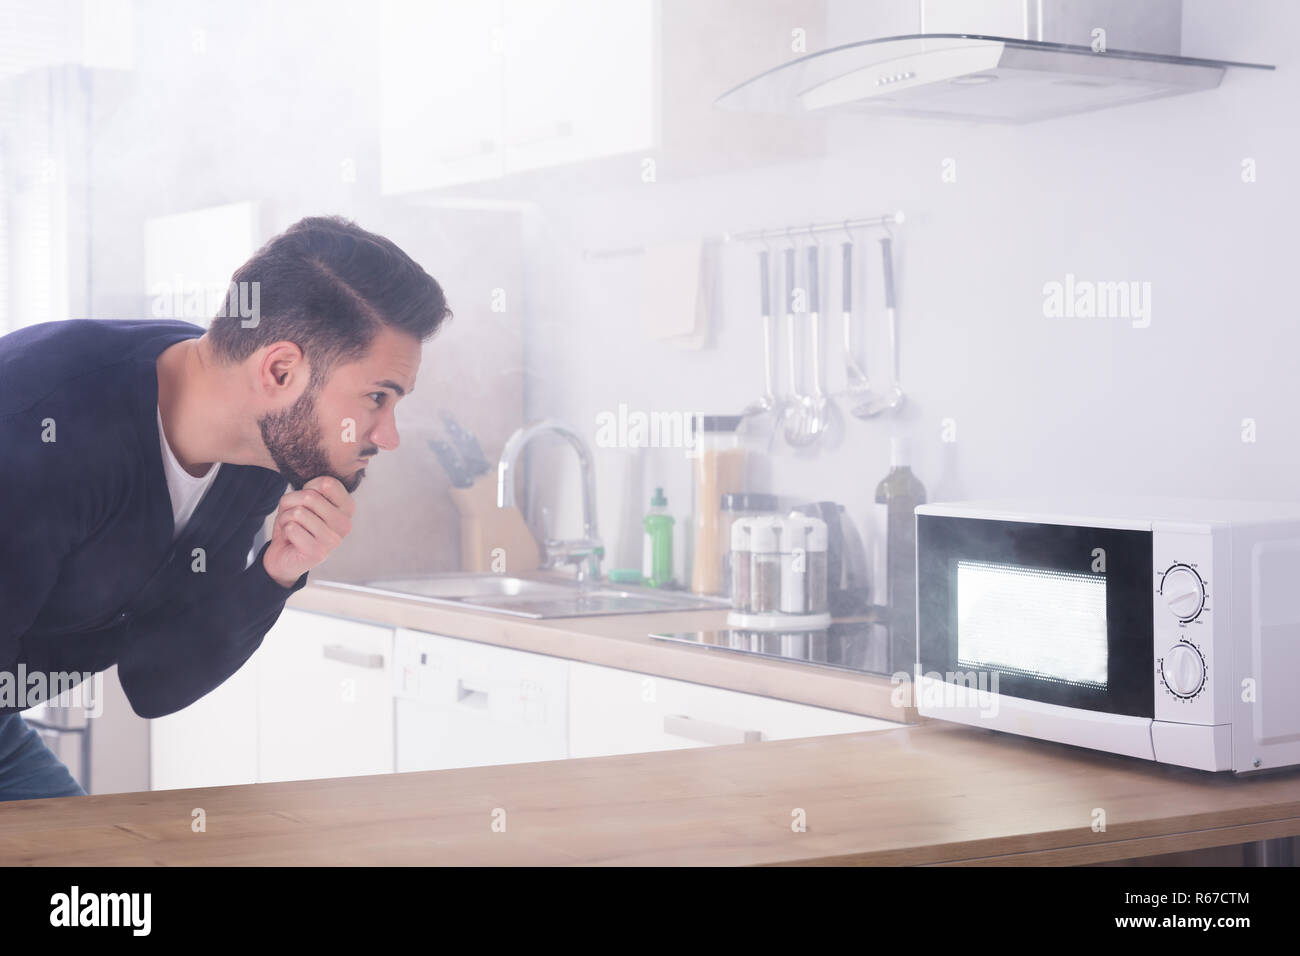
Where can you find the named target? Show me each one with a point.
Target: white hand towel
(677, 304)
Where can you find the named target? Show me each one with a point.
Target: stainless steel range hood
(1033, 60)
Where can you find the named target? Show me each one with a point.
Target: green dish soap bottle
(657, 554)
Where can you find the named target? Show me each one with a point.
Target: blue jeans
(28, 769)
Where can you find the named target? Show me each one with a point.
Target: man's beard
(293, 438)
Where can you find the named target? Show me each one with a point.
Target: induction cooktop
(859, 646)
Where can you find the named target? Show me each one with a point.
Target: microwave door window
(1027, 604)
(1048, 625)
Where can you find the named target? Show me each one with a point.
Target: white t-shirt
(186, 490)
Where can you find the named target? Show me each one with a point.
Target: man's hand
(308, 526)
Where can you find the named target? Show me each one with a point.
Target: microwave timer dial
(1183, 670)
(1183, 591)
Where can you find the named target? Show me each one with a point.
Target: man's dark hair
(328, 286)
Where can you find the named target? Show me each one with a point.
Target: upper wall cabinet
(478, 91)
(578, 80)
(441, 93)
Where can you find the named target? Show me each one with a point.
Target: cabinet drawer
(615, 711)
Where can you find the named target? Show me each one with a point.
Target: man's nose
(385, 435)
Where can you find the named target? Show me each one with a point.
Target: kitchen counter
(623, 641)
(933, 793)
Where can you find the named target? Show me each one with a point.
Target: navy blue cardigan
(89, 575)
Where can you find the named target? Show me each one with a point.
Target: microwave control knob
(1183, 591)
(1183, 670)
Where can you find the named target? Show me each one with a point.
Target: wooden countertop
(623, 641)
(933, 793)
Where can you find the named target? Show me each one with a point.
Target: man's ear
(283, 366)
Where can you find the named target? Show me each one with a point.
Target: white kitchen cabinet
(441, 93)
(474, 91)
(210, 743)
(577, 76)
(327, 696)
(614, 711)
(466, 704)
(324, 698)
(314, 701)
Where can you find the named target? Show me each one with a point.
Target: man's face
(313, 437)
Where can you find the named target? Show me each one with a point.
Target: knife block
(484, 527)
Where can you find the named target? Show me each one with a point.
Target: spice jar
(803, 565)
(816, 544)
(739, 564)
(765, 565)
(736, 506)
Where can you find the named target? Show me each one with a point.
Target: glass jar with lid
(719, 470)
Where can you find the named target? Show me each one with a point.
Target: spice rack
(779, 574)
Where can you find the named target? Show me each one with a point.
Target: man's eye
(378, 397)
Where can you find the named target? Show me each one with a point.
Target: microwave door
(1052, 614)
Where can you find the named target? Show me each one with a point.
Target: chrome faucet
(585, 552)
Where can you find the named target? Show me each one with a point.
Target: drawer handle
(470, 695)
(348, 655)
(546, 133)
(679, 725)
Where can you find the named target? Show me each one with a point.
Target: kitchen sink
(536, 597)
(462, 586)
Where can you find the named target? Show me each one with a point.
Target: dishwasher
(465, 704)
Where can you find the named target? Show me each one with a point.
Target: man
(138, 459)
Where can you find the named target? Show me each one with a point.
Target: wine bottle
(897, 496)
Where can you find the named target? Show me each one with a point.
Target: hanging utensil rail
(890, 219)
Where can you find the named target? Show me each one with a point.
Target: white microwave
(1166, 629)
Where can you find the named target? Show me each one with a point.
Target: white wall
(1151, 192)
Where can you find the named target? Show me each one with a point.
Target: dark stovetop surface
(854, 645)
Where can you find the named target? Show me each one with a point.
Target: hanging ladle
(820, 421)
(768, 401)
(800, 409)
(893, 399)
(857, 382)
